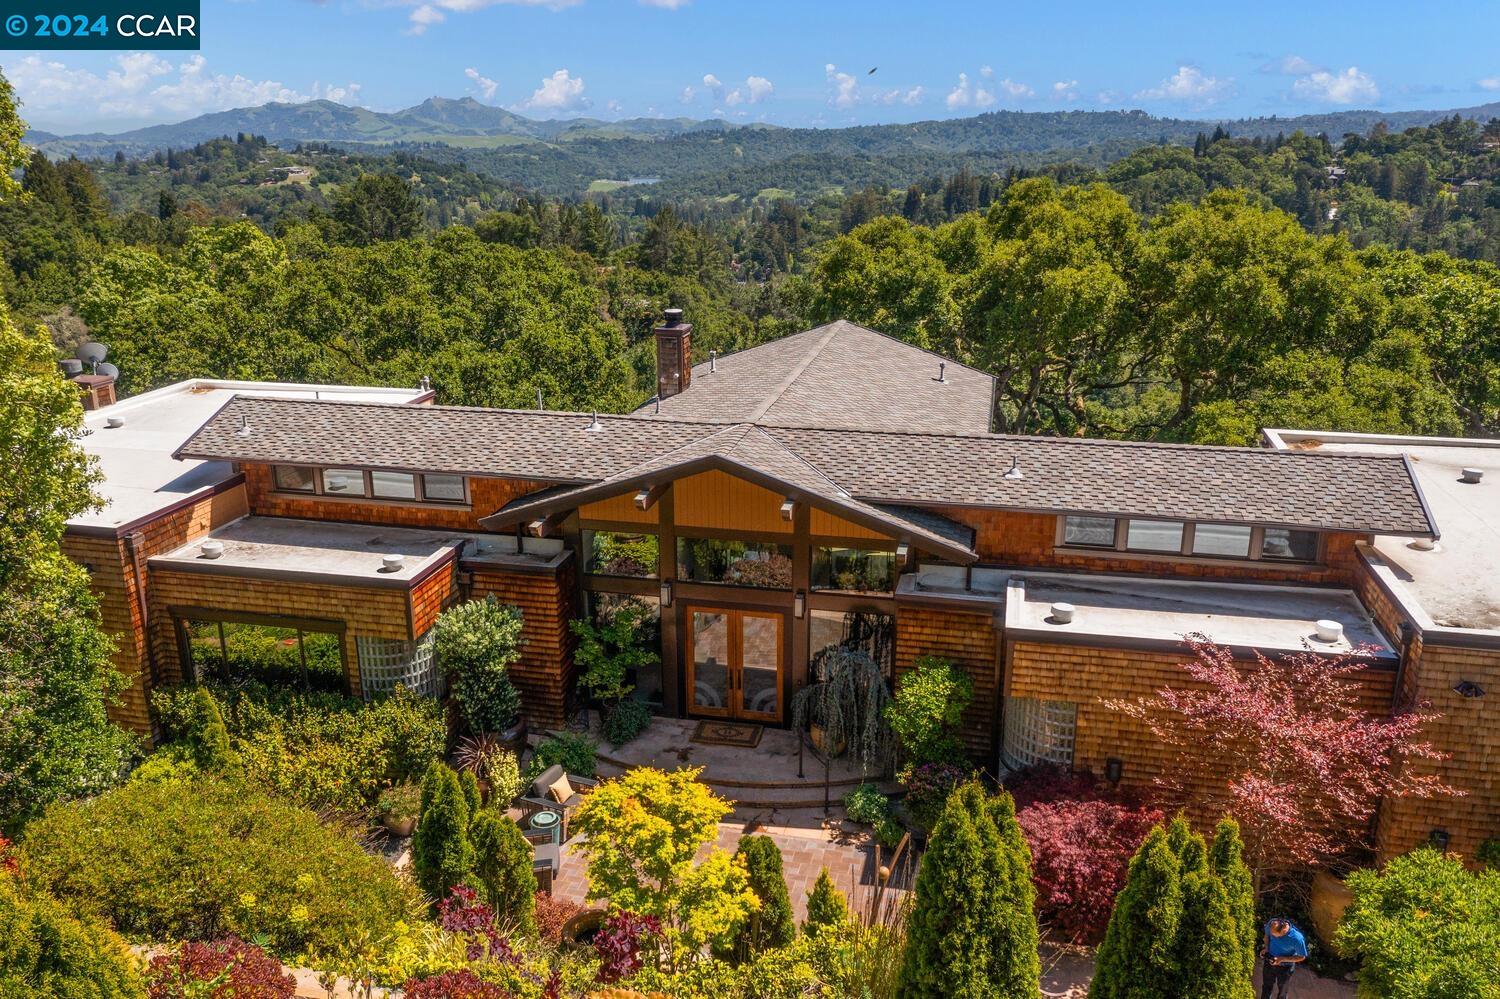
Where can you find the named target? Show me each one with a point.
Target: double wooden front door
(735, 660)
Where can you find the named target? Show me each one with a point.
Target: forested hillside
(1189, 292)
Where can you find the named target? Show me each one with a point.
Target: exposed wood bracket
(903, 554)
(788, 508)
(543, 526)
(647, 497)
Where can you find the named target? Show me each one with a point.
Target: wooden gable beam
(543, 526)
(647, 497)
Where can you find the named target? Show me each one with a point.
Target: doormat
(724, 733)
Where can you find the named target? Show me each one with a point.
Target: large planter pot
(582, 927)
(513, 736)
(398, 825)
(1330, 897)
(821, 741)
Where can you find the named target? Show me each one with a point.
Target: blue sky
(794, 63)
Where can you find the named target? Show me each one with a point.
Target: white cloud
(714, 86)
(430, 12)
(687, 95)
(970, 94)
(755, 90)
(666, 4)
(1189, 85)
(1291, 65)
(1019, 91)
(910, 96)
(845, 88)
(1490, 83)
(1336, 88)
(1065, 90)
(487, 87)
(141, 85)
(559, 92)
(614, 107)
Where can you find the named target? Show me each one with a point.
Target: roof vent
(114, 422)
(942, 375)
(1329, 631)
(594, 424)
(539, 398)
(212, 549)
(1062, 613)
(1014, 471)
(713, 360)
(1471, 475)
(425, 384)
(244, 430)
(71, 366)
(392, 563)
(1423, 544)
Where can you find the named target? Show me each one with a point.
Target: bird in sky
(872, 72)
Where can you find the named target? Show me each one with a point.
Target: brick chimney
(674, 354)
(97, 391)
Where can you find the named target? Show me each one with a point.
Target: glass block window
(1038, 732)
(386, 662)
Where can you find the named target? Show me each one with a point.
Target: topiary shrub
(441, 853)
(223, 969)
(210, 741)
(771, 925)
(827, 909)
(576, 752)
(928, 709)
(626, 720)
(47, 951)
(867, 804)
(205, 859)
(502, 867)
(475, 644)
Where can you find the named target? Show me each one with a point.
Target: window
(1229, 540)
(854, 569)
(344, 481)
(277, 656)
(1287, 545)
(1089, 532)
(610, 554)
(393, 485)
(1153, 536)
(735, 563)
(295, 478)
(869, 632)
(443, 488)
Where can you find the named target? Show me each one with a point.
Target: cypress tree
(210, 742)
(1208, 960)
(502, 865)
(1226, 860)
(972, 932)
(469, 784)
(772, 925)
(826, 906)
(441, 854)
(1138, 957)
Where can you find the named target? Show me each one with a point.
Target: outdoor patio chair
(537, 797)
(544, 864)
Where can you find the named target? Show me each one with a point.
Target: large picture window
(735, 563)
(278, 656)
(1200, 539)
(607, 553)
(859, 570)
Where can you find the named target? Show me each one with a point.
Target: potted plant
(609, 653)
(493, 764)
(475, 644)
(846, 706)
(397, 808)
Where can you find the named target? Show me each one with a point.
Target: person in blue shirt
(1282, 949)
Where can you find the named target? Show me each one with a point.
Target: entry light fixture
(799, 604)
(1439, 840)
(666, 593)
(1114, 769)
(1468, 688)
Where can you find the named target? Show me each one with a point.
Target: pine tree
(1138, 957)
(972, 933)
(210, 741)
(441, 854)
(771, 926)
(1226, 860)
(826, 907)
(502, 865)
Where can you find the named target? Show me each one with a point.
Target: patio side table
(547, 822)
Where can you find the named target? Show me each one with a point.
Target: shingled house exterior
(835, 487)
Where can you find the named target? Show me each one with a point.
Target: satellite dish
(91, 352)
(107, 369)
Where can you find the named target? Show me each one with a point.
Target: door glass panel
(710, 660)
(760, 665)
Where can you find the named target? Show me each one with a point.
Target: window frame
(420, 496)
(1189, 536)
(784, 546)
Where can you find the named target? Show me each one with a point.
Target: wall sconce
(1439, 840)
(799, 604)
(666, 593)
(1468, 688)
(1114, 769)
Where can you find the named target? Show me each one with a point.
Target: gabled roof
(1364, 493)
(746, 450)
(838, 376)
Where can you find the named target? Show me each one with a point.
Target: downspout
(133, 543)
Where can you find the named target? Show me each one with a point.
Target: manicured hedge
(204, 859)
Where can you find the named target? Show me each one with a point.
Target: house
(833, 488)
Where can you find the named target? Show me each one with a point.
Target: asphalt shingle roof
(839, 376)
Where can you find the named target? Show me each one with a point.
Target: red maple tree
(1286, 747)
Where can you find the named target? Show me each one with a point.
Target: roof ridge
(452, 408)
(802, 459)
(786, 383)
(695, 442)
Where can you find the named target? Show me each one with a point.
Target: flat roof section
(141, 478)
(350, 554)
(1457, 580)
(1126, 610)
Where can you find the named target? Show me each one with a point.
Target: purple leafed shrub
(462, 913)
(234, 970)
(622, 942)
